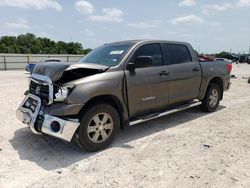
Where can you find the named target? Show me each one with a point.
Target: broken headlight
(63, 93)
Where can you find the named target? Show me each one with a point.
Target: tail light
(229, 67)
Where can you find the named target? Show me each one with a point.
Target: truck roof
(147, 40)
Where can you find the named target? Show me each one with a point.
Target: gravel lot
(186, 149)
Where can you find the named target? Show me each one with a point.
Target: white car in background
(222, 59)
(52, 60)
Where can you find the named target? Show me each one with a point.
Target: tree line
(30, 44)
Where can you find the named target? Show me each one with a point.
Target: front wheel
(212, 98)
(98, 128)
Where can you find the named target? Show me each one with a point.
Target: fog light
(55, 126)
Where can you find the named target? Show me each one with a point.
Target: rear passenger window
(177, 53)
(153, 50)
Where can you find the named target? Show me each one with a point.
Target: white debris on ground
(186, 149)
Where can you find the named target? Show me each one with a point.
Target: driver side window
(150, 50)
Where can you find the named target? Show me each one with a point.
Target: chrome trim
(67, 127)
(44, 80)
(26, 115)
(39, 77)
(67, 130)
(184, 107)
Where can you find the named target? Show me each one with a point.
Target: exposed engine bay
(63, 72)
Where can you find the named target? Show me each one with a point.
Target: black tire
(83, 138)
(206, 102)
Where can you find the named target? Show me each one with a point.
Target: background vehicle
(222, 59)
(118, 85)
(30, 66)
(205, 59)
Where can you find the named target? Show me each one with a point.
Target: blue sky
(209, 25)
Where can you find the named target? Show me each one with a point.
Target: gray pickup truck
(118, 85)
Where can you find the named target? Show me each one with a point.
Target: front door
(147, 86)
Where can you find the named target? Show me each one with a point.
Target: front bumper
(34, 117)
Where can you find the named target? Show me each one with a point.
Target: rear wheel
(99, 126)
(212, 98)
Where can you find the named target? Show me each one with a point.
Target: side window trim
(164, 54)
(167, 54)
(189, 52)
(190, 56)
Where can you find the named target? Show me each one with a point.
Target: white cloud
(243, 3)
(108, 15)
(37, 4)
(145, 25)
(84, 7)
(187, 3)
(188, 20)
(215, 8)
(20, 24)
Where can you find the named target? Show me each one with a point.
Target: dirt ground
(186, 149)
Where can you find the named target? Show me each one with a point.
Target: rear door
(147, 87)
(184, 73)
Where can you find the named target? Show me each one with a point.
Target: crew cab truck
(118, 85)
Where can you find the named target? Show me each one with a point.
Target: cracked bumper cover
(33, 118)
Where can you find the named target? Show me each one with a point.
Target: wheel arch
(218, 81)
(108, 99)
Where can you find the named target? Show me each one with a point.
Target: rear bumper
(45, 123)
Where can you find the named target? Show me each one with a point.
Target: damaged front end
(32, 110)
(44, 108)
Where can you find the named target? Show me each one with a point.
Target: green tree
(30, 44)
(86, 51)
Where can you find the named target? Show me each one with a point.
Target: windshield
(108, 55)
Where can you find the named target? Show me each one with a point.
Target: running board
(169, 111)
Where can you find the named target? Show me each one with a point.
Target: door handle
(163, 73)
(196, 69)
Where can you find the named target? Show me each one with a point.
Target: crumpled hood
(55, 70)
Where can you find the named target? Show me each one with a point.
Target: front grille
(40, 90)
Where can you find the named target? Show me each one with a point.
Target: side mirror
(131, 66)
(143, 61)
